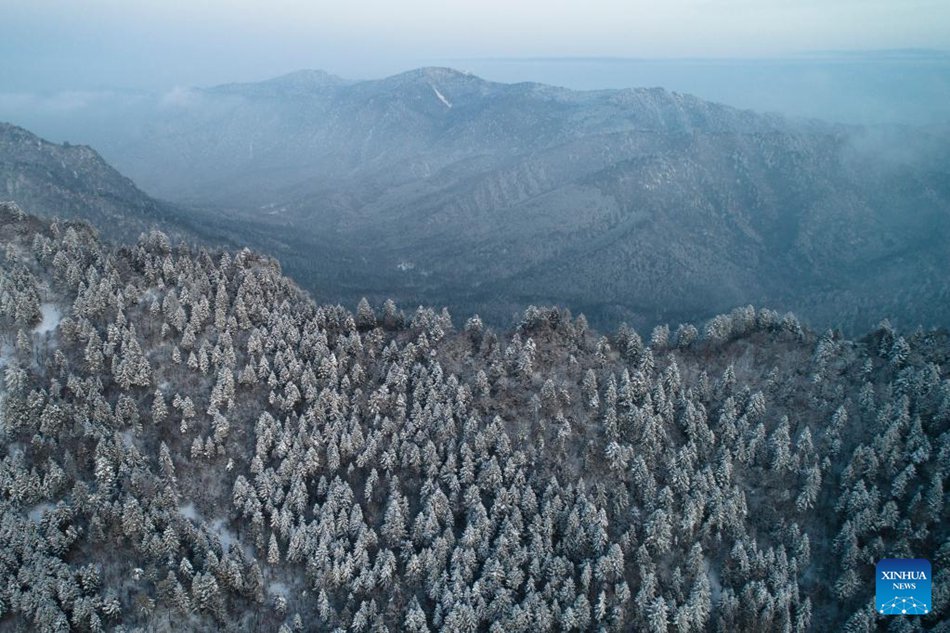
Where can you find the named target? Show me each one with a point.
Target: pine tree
(159, 409)
(658, 615)
(589, 388)
(273, 551)
(365, 317)
(780, 446)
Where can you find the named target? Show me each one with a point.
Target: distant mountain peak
(431, 74)
(443, 72)
(297, 82)
(307, 76)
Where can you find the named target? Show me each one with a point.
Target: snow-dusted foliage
(197, 445)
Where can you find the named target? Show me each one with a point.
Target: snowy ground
(36, 512)
(51, 318)
(188, 511)
(226, 536)
(278, 589)
(128, 438)
(217, 526)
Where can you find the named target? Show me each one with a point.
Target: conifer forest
(189, 441)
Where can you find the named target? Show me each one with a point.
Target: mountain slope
(74, 182)
(437, 186)
(304, 127)
(188, 441)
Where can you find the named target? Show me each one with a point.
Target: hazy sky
(97, 44)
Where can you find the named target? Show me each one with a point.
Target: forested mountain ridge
(74, 182)
(642, 205)
(308, 129)
(197, 444)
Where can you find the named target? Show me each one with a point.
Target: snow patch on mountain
(441, 96)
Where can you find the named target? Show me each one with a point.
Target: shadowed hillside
(435, 186)
(74, 182)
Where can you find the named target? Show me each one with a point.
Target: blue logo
(903, 586)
